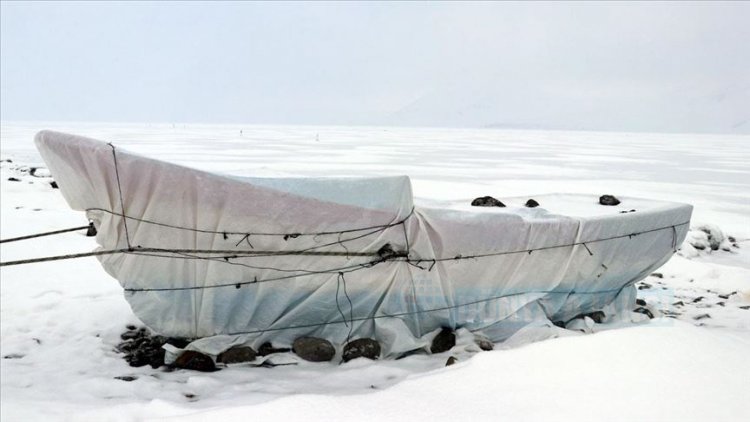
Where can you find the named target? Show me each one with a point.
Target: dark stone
(91, 231)
(444, 341)
(314, 349)
(126, 378)
(679, 303)
(727, 295)
(701, 316)
(131, 327)
(451, 361)
(746, 307)
(54, 185)
(13, 356)
(190, 359)
(697, 299)
(644, 311)
(640, 302)
(560, 324)
(13, 179)
(731, 239)
(361, 348)
(484, 343)
(486, 201)
(608, 200)
(644, 286)
(267, 348)
(720, 304)
(531, 203)
(237, 355)
(657, 275)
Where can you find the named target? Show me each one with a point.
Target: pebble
(644, 311)
(484, 343)
(361, 348)
(314, 349)
(13, 179)
(531, 203)
(451, 360)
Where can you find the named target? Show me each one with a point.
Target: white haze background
(659, 67)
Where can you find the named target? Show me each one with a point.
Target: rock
(444, 341)
(608, 200)
(13, 356)
(91, 231)
(679, 303)
(746, 307)
(701, 316)
(531, 203)
(237, 355)
(54, 185)
(486, 201)
(190, 359)
(131, 327)
(698, 299)
(361, 348)
(313, 349)
(644, 311)
(451, 361)
(644, 286)
(126, 378)
(13, 179)
(267, 348)
(560, 324)
(640, 302)
(484, 343)
(657, 275)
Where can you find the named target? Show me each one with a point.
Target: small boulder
(237, 355)
(361, 348)
(444, 341)
(451, 360)
(190, 359)
(608, 200)
(13, 179)
(531, 203)
(484, 343)
(54, 185)
(486, 201)
(91, 231)
(313, 349)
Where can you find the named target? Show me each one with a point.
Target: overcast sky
(672, 67)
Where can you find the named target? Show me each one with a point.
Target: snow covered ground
(60, 321)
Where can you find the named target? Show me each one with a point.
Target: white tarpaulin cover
(396, 272)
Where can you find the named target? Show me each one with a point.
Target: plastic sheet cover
(230, 260)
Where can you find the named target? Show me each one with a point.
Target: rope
(122, 203)
(204, 251)
(225, 233)
(31, 236)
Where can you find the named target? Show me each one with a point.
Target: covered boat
(232, 260)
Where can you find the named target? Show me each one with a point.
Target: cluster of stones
(488, 201)
(142, 349)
